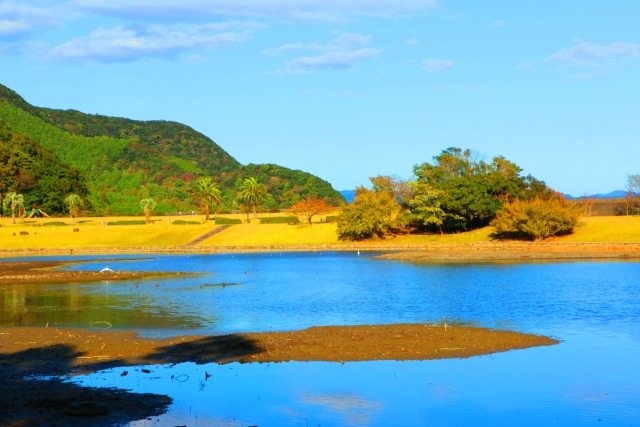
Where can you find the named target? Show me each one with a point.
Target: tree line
(458, 192)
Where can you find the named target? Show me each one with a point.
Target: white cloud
(498, 23)
(128, 43)
(342, 41)
(340, 52)
(412, 41)
(585, 55)
(432, 65)
(316, 10)
(20, 18)
(337, 59)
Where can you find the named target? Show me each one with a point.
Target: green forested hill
(36, 172)
(126, 160)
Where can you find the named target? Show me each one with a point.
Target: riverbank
(393, 250)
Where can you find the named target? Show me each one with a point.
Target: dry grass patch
(95, 233)
(274, 234)
(600, 229)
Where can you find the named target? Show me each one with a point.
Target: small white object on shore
(106, 270)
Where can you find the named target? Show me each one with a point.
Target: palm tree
(147, 206)
(14, 201)
(252, 192)
(208, 192)
(74, 204)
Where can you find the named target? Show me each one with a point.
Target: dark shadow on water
(27, 399)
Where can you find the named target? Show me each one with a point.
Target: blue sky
(349, 89)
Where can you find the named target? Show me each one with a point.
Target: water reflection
(295, 291)
(526, 387)
(119, 305)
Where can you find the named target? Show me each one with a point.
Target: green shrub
(280, 220)
(222, 220)
(331, 218)
(184, 222)
(128, 222)
(53, 224)
(535, 219)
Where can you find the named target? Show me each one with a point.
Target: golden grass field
(93, 233)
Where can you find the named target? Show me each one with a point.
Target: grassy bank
(95, 233)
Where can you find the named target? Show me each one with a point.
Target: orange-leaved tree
(309, 207)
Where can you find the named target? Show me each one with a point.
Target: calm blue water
(591, 378)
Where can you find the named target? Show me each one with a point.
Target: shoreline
(422, 251)
(40, 272)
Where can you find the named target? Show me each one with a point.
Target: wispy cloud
(128, 43)
(412, 41)
(498, 23)
(20, 18)
(433, 65)
(316, 10)
(339, 59)
(340, 52)
(341, 41)
(590, 56)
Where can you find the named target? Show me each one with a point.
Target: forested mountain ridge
(126, 160)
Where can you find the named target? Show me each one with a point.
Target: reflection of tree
(74, 307)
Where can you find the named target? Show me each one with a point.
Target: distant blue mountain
(348, 195)
(617, 194)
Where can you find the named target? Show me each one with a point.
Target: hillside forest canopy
(117, 162)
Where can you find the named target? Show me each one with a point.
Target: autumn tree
(309, 207)
(372, 214)
(399, 189)
(208, 192)
(536, 219)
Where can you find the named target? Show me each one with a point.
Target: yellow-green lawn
(94, 233)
